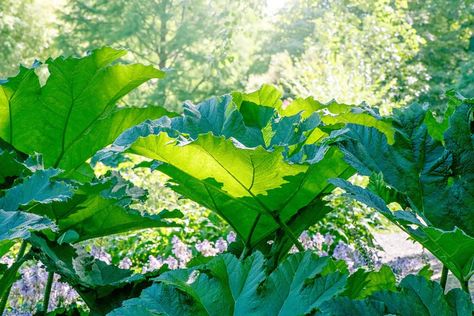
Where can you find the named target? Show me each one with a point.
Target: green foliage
(203, 54)
(20, 224)
(37, 188)
(75, 87)
(414, 296)
(101, 286)
(447, 30)
(65, 203)
(350, 50)
(94, 212)
(79, 114)
(302, 284)
(263, 165)
(430, 180)
(272, 167)
(196, 225)
(20, 22)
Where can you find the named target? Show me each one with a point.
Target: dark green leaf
(100, 209)
(37, 188)
(19, 224)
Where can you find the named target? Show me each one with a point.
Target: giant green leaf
(332, 113)
(455, 249)
(303, 284)
(37, 188)
(418, 296)
(97, 209)
(258, 183)
(251, 124)
(74, 114)
(242, 160)
(267, 95)
(18, 224)
(437, 119)
(436, 180)
(433, 181)
(364, 283)
(227, 286)
(414, 296)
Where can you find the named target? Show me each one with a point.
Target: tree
(26, 32)
(448, 30)
(205, 46)
(357, 51)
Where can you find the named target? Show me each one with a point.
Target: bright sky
(274, 5)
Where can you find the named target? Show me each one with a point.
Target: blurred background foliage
(387, 53)
(384, 52)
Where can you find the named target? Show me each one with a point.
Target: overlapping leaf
(11, 163)
(38, 188)
(434, 182)
(18, 224)
(226, 286)
(246, 163)
(102, 286)
(437, 119)
(435, 179)
(414, 296)
(454, 248)
(100, 209)
(74, 114)
(303, 284)
(332, 113)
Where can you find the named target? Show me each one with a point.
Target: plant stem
(290, 234)
(4, 299)
(444, 277)
(278, 220)
(242, 255)
(252, 230)
(465, 286)
(47, 291)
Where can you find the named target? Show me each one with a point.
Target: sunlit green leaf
(74, 114)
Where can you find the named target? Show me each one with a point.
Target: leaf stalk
(16, 266)
(465, 286)
(47, 292)
(444, 277)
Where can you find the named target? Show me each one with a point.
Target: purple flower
(29, 290)
(181, 251)
(125, 263)
(206, 248)
(101, 254)
(231, 237)
(328, 239)
(154, 263)
(172, 263)
(221, 245)
(318, 240)
(349, 254)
